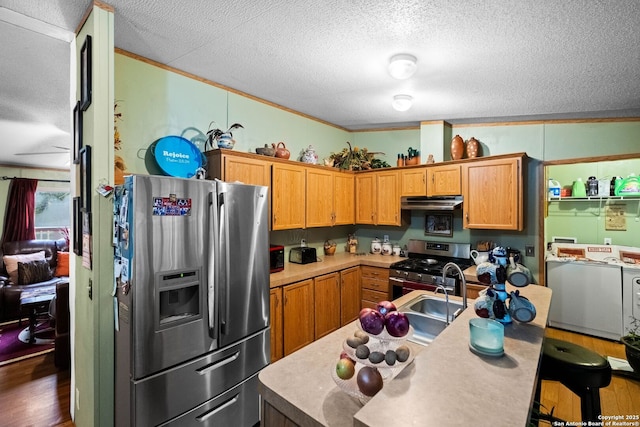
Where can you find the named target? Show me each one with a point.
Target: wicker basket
(329, 247)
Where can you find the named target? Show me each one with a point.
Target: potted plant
(355, 159)
(222, 139)
(631, 343)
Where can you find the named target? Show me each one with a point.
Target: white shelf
(591, 198)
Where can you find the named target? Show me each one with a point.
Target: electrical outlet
(607, 240)
(303, 242)
(530, 250)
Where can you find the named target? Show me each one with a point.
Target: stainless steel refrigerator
(191, 301)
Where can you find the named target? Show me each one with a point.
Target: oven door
(401, 287)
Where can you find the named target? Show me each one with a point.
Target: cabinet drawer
(375, 284)
(374, 296)
(375, 273)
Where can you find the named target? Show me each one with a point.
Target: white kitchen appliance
(587, 289)
(587, 297)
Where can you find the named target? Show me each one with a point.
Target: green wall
(389, 143)
(586, 220)
(92, 311)
(575, 140)
(156, 102)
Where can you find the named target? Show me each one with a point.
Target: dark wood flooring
(35, 393)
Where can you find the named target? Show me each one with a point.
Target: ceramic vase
(473, 148)
(457, 147)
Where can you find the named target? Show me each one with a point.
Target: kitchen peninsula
(446, 385)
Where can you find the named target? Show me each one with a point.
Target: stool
(579, 369)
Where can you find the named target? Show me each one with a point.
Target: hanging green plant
(356, 159)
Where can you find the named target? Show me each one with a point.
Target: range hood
(423, 203)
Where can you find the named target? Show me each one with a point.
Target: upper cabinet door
(320, 196)
(414, 181)
(493, 192)
(247, 171)
(388, 202)
(287, 196)
(443, 180)
(365, 198)
(343, 198)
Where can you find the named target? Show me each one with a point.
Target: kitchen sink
(427, 315)
(433, 306)
(425, 328)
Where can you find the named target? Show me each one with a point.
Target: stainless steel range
(422, 270)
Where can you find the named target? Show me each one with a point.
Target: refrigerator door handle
(211, 273)
(202, 418)
(223, 261)
(213, 366)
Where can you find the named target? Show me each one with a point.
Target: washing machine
(586, 298)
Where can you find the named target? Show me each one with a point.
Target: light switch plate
(529, 250)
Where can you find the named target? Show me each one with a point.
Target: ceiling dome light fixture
(402, 66)
(402, 102)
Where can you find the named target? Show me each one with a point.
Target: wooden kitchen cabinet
(320, 192)
(287, 196)
(413, 181)
(275, 306)
(350, 295)
(344, 198)
(378, 198)
(388, 198)
(365, 198)
(298, 315)
(327, 304)
(238, 167)
(337, 300)
(247, 171)
(473, 290)
(493, 193)
(443, 180)
(375, 285)
(330, 198)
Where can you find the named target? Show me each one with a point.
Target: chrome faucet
(463, 282)
(446, 298)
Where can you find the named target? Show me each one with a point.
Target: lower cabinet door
(275, 304)
(349, 295)
(327, 304)
(298, 318)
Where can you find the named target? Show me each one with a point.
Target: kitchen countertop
(328, 264)
(446, 385)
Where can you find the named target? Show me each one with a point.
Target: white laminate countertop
(446, 385)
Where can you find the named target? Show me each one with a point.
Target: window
(53, 207)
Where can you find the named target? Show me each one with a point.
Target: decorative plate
(177, 156)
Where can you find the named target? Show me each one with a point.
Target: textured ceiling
(477, 60)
